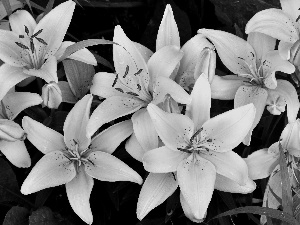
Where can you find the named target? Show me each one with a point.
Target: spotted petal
(273, 22)
(227, 130)
(51, 170)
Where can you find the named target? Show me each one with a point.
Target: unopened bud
(295, 53)
(206, 64)
(11, 131)
(51, 95)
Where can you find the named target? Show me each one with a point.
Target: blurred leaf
(9, 189)
(36, 113)
(283, 216)
(228, 199)
(113, 195)
(287, 199)
(83, 44)
(58, 120)
(42, 196)
(103, 61)
(79, 76)
(42, 216)
(172, 203)
(7, 6)
(49, 7)
(16, 216)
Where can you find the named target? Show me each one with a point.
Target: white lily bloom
(282, 24)
(75, 159)
(11, 134)
(31, 49)
(199, 150)
(254, 62)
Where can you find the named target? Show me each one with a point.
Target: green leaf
(277, 214)
(83, 44)
(287, 199)
(42, 216)
(16, 216)
(7, 6)
(103, 61)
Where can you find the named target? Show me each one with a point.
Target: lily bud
(295, 53)
(206, 64)
(51, 95)
(11, 131)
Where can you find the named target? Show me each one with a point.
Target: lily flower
(140, 80)
(11, 134)
(282, 24)
(265, 162)
(75, 159)
(254, 62)
(32, 50)
(199, 150)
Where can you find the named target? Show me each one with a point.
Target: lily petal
(16, 102)
(261, 44)
(106, 85)
(235, 53)
(16, 153)
(290, 138)
(251, 94)
(43, 138)
(78, 191)
(164, 85)
(10, 76)
(227, 130)
(156, 189)
(273, 62)
(230, 165)
(175, 130)
(225, 87)
(10, 52)
(53, 169)
(144, 130)
(54, 26)
(21, 19)
(284, 49)
(164, 61)
(163, 160)
(228, 185)
(106, 167)
(199, 109)
(196, 178)
(145, 52)
(291, 8)
(48, 71)
(168, 33)
(75, 132)
(134, 148)
(82, 55)
(109, 139)
(275, 23)
(261, 163)
(111, 109)
(288, 92)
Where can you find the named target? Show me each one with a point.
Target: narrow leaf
(7, 6)
(277, 214)
(83, 44)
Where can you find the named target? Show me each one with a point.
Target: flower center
(196, 144)
(30, 50)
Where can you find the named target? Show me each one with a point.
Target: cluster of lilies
(167, 94)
